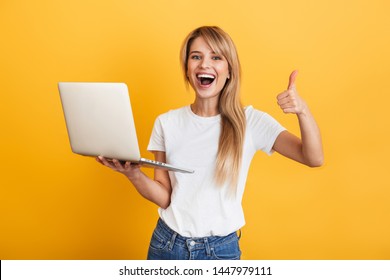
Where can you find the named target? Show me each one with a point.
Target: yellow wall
(57, 205)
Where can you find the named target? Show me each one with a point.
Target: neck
(205, 108)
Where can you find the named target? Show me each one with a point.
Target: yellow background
(57, 205)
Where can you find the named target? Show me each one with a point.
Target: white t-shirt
(198, 207)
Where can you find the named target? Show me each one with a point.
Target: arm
(157, 190)
(308, 149)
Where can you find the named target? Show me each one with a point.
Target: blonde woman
(216, 136)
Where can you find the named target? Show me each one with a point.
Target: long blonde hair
(233, 122)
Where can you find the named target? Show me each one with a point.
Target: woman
(201, 213)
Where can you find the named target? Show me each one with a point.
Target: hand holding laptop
(127, 168)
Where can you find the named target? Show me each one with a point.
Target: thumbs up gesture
(289, 100)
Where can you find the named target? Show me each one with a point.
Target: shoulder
(173, 118)
(173, 114)
(253, 114)
(256, 118)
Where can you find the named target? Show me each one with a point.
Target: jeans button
(192, 243)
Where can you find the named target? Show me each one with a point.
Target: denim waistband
(196, 242)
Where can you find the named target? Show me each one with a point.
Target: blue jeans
(167, 244)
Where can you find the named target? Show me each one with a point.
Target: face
(206, 70)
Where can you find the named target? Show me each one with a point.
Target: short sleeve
(263, 129)
(157, 139)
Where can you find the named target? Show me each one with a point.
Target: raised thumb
(291, 80)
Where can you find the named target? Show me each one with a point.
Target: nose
(205, 63)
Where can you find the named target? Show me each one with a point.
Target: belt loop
(207, 246)
(172, 241)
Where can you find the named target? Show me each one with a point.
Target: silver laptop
(100, 122)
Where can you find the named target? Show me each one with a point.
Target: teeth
(205, 76)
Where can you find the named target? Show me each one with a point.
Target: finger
(285, 105)
(283, 95)
(111, 163)
(117, 164)
(286, 97)
(131, 165)
(291, 81)
(283, 102)
(291, 110)
(103, 161)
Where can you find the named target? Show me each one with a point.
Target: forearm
(312, 151)
(307, 149)
(152, 190)
(157, 191)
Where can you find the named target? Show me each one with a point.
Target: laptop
(99, 120)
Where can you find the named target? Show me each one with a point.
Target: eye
(217, 57)
(195, 57)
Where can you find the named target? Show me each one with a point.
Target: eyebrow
(201, 52)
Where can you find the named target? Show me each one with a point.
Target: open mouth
(205, 79)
